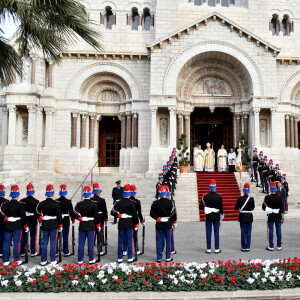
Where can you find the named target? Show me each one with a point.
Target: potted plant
(183, 155)
(245, 152)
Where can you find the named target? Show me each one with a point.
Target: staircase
(227, 186)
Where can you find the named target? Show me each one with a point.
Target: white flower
(250, 280)
(100, 275)
(298, 277)
(264, 280)
(280, 278)
(181, 278)
(272, 279)
(74, 282)
(4, 283)
(175, 281)
(86, 277)
(104, 281)
(109, 270)
(115, 277)
(161, 282)
(255, 275)
(91, 284)
(18, 282)
(204, 275)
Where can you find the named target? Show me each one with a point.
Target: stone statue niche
(263, 129)
(163, 130)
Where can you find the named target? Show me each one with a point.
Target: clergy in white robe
(231, 161)
(222, 159)
(198, 159)
(209, 155)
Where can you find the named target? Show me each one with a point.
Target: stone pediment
(224, 21)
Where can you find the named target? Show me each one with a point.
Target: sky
(8, 27)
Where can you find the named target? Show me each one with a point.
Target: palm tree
(49, 26)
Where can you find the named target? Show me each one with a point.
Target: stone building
(209, 68)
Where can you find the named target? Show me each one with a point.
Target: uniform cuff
(25, 226)
(80, 219)
(106, 220)
(136, 226)
(73, 221)
(5, 219)
(98, 225)
(120, 216)
(60, 225)
(158, 219)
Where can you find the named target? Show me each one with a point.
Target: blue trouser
(1, 238)
(172, 241)
(90, 236)
(261, 178)
(33, 234)
(65, 233)
(208, 225)
(271, 233)
(255, 173)
(125, 234)
(246, 229)
(16, 235)
(52, 234)
(135, 238)
(266, 184)
(163, 235)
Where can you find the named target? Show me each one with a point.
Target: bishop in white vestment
(209, 159)
(222, 159)
(198, 159)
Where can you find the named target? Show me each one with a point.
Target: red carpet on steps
(227, 186)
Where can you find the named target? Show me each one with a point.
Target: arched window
(274, 25)
(109, 18)
(198, 2)
(225, 3)
(286, 25)
(147, 19)
(135, 19)
(211, 2)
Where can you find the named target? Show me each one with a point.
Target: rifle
(73, 240)
(143, 242)
(105, 239)
(26, 248)
(40, 239)
(98, 245)
(60, 247)
(252, 173)
(136, 247)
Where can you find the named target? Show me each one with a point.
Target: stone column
(153, 125)
(238, 128)
(179, 126)
(152, 20)
(135, 130)
(92, 131)
(102, 15)
(39, 127)
(49, 126)
(296, 131)
(287, 131)
(123, 130)
(50, 74)
(128, 19)
(31, 124)
(4, 126)
(187, 129)
(256, 126)
(292, 135)
(12, 117)
(273, 126)
(115, 18)
(74, 129)
(129, 131)
(172, 112)
(33, 67)
(83, 130)
(246, 125)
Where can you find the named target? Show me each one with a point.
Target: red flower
(213, 275)
(294, 270)
(14, 264)
(204, 279)
(118, 280)
(233, 279)
(34, 281)
(72, 277)
(58, 276)
(44, 276)
(219, 279)
(146, 283)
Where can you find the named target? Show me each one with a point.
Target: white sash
(272, 210)
(209, 210)
(244, 211)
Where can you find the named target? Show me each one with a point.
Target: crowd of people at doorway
(205, 160)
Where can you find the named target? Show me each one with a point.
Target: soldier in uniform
(87, 214)
(169, 176)
(102, 211)
(128, 221)
(2, 200)
(286, 186)
(255, 161)
(281, 192)
(67, 212)
(117, 193)
(271, 171)
(260, 168)
(265, 172)
(245, 204)
(15, 220)
(272, 205)
(52, 223)
(30, 204)
(162, 211)
(277, 175)
(212, 205)
(160, 182)
(165, 174)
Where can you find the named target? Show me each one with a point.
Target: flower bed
(213, 276)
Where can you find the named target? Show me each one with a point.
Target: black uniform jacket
(50, 207)
(212, 200)
(117, 193)
(265, 170)
(30, 204)
(138, 208)
(125, 206)
(272, 175)
(286, 186)
(66, 208)
(255, 161)
(162, 208)
(275, 202)
(174, 217)
(89, 209)
(14, 208)
(245, 217)
(102, 209)
(260, 165)
(2, 200)
(157, 186)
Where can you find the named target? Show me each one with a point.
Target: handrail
(86, 178)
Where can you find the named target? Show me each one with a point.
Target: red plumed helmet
(247, 185)
(212, 182)
(96, 186)
(273, 184)
(161, 189)
(87, 189)
(284, 175)
(166, 188)
(132, 188)
(15, 188)
(161, 174)
(63, 187)
(49, 188)
(2, 187)
(127, 188)
(30, 187)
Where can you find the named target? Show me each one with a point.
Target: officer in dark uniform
(271, 171)
(169, 176)
(160, 182)
(265, 172)
(212, 205)
(255, 161)
(2, 200)
(117, 193)
(260, 168)
(277, 175)
(286, 186)
(162, 211)
(30, 204)
(128, 221)
(102, 211)
(52, 223)
(245, 205)
(165, 175)
(272, 205)
(15, 220)
(67, 212)
(87, 214)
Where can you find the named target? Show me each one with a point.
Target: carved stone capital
(153, 109)
(238, 116)
(273, 110)
(128, 114)
(135, 115)
(246, 114)
(287, 117)
(49, 111)
(212, 109)
(92, 115)
(256, 110)
(11, 108)
(74, 114)
(31, 109)
(84, 114)
(172, 110)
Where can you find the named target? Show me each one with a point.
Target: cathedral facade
(212, 69)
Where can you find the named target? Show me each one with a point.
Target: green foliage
(245, 150)
(184, 155)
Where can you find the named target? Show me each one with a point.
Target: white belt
(87, 219)
(209, 210)
(28, 214)
(271, 210)
(46, 218)
(65, 215)
(245, 211)
(13, 219)
(100, 212)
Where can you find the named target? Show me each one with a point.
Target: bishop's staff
(238, 166)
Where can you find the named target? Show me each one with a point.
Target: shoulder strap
(245, 204)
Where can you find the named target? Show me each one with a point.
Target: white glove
(164, 220)
(99, 229)
(136, 228)
(124, 216)
(12, 219)
(175, 225)
(84, 219)
(73, 224)
(170, 183)
(26, 229)
(144, 223)
(60, 229)
(106, 223)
